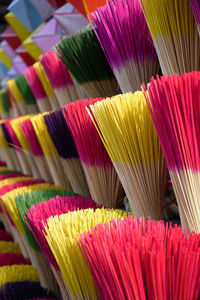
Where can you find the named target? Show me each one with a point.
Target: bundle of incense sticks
(8, 205)
(5, 175)
(21, 107)
(15, 124)
(61, 233)
(9, 181)
(13, 110)
(27, 94)
(6, 191)
(9, 209)
(85, 59)
(49, 150)
(131, 259)
(127, 131)
(4, 104)
(65, 146)
(174, 34)
(26, 290)
(9, 152)
(105, 187)
(125, 38)
(46, 85)
(173, 104)
(5, 152)
(59, 77)
(24, 202)
(36, 217)
(29, 133)
(21, 155)
(37, 89)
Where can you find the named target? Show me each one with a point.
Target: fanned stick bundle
(8, 175)
(37, 89)
(8, 151)
(10, 210)
(63, 141)
(127, 131)
(9, 259)
(174, 106)
(26, 200)
(49, 150)
(61, 233)
(59, 77)
(36, 220)
(27, 94)
(21, 107)
(125, 38)
(21, 155)
(31, 137)
(131, 259)
(105, 187)
(8, 194)
(46, 85)
(85, 59)
(26, 290)
(4, 104)
(23, 203)
(15, 124)
(8, 200)
(174, 33)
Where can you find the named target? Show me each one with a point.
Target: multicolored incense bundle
(61, 233)
(105, 187)
(37, 89)
(59, 77)
(174, 33)
(63, 141)
(7, 149)
(125, 38)
(27, 158)
(19, 103)
(174, 106)
(29, 133)
(85, 59)
(131, 259)
(27, 94)
(127, 131)
(16, 140)
(10, 210)
(36, 218)
(46, 85)
(49, 150)
(23, 203)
